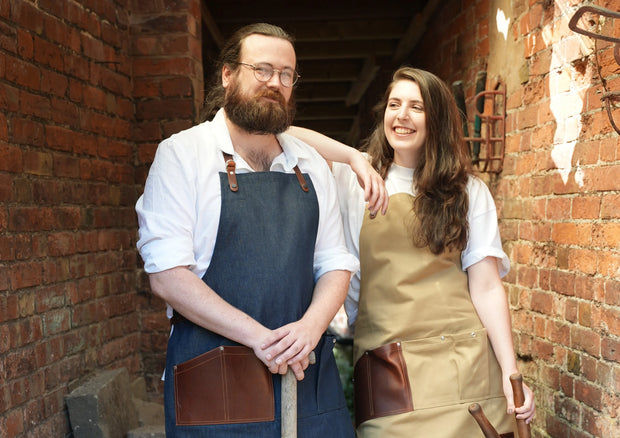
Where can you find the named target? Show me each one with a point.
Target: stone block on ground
(103, 407)
(157, 431)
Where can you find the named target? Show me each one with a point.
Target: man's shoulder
(193, 133)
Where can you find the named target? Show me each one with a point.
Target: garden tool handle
(516, 380)
(487, 428)
(288, 411)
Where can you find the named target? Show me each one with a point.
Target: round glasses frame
(264, 72)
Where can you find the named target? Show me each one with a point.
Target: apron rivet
(473, 334)
(443, 338)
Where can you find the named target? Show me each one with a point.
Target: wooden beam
(320, 111)
(353, 137)
(416, 29)
(366, 76)
(211, 25)
(343, 49)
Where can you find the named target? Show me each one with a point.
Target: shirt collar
(293, 149)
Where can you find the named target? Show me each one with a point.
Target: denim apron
(262, 264)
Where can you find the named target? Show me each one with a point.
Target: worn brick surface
(564, 245)
(72, 295)
(87, 90)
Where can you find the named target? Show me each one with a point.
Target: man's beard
(258, 116)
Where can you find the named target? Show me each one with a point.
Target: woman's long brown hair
(442, 171)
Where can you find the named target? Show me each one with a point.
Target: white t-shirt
(179, 212)
(484, 239)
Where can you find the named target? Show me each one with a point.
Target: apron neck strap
(232, 176)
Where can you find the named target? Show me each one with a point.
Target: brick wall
(558, 196)
(168, 93)
(87, 89)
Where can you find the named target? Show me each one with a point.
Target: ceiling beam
(415, 31)
(309, 50)
(366, 76)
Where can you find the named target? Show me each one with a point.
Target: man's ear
(226, 74)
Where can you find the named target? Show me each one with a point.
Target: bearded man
(241, 236)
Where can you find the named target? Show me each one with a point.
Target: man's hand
(290, 345)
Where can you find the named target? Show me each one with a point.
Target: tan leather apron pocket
(225, 385)
(456, 365)
(381, 384)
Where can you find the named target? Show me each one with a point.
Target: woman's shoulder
(480, 197)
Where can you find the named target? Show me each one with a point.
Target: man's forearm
(329, 294)
(192, 298)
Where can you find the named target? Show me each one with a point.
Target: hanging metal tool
(481, 81)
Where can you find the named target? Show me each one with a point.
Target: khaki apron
(411, 296)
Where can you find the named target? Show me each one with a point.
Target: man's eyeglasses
(264, 72)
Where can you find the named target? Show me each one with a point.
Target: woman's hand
(525, 412)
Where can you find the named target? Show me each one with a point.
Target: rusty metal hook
(608, 96)
(572, 24)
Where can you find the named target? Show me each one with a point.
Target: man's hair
(230, 56)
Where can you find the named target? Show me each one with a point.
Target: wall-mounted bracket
(488, 149)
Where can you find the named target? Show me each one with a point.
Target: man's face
(255, 106)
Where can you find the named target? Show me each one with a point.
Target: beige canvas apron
(421, 300)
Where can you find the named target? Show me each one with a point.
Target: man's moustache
(274, 95)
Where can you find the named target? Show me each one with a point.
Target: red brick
(38, 163)
(65, 112)
(48, 54)
(27, 132)
(586, 207)
(610, 349)
(14, 423)
(586, 340)
(22, 73)
(160, 109)
(25, 44)
(34, 105)
(609, 264)
(583, 260)
(610, 206)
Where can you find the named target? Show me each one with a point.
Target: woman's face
(404, 122)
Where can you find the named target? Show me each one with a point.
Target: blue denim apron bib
(263, 264)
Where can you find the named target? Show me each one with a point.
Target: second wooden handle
(516, 380)
(487, 428)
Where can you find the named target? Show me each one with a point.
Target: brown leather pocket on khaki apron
(381, 384)
(226, 385)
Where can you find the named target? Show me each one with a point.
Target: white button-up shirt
(178, 214)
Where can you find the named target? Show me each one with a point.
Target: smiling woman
(428, 304)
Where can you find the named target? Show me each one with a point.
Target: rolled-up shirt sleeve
(331, 252)
(484, 238)
(166, 213)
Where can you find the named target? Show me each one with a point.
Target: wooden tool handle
(487, 428)
(516, 380)
(288, 411)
